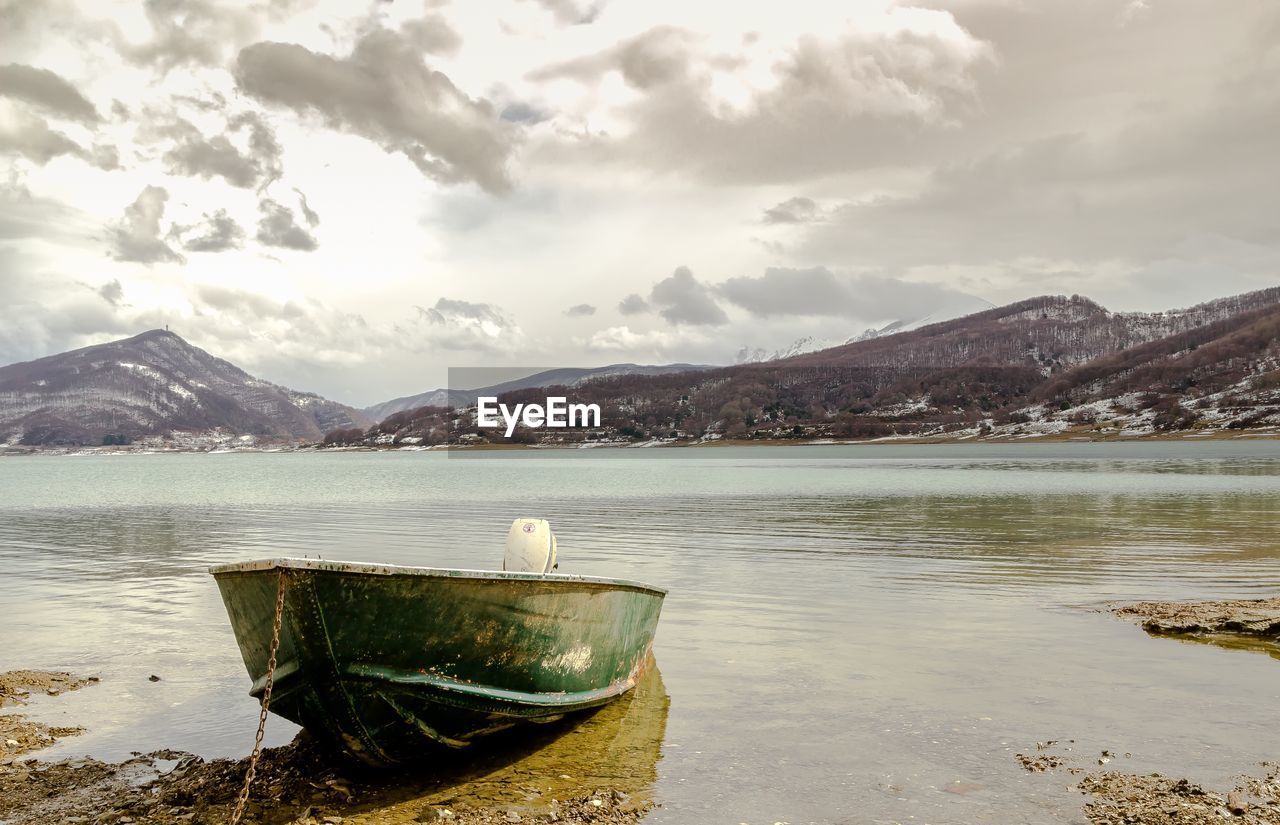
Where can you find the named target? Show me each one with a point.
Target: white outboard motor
(531, 547)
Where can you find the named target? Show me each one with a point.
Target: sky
(351, 198)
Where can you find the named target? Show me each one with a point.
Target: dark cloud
(30, 136)
(580, 310)
(634, 304)
(453, 324)
(839, 101)
(449, 309)
(385, 92)
(313, 219)
(191, 32)
(1137, 194)
(105, 156)
(112, 292)
(195, 155)
(432, 34)
(137, 236)
(573, 12)
(46, 90)
(277, 226)
(655, 57)
(793, 210)
(218, 233)
(683, 299)
(817, 291)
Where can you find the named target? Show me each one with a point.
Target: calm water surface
(851, 631)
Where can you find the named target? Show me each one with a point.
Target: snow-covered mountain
(962, 306)
(149, 385)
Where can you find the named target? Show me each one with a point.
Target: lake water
(853, 634)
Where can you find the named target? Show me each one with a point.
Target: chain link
(243, 799)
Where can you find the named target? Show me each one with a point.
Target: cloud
(658, 343)
(1137, 194)
(218, 233)
(573, 12)
(385, 92)
(634, 304)
(760, 103)
(660, 55)
(277, 227)
(313, 219)
(793, 210)
(112, 292)
(137, 237)
(190, 32)
(195, 155)
(580, 310)
(46, 90)
(817, 291)
(452, 324)
(47, 314)
(683, 299)
(432, 34)
(249, 306)
(30, 136)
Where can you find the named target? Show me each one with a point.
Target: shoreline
(1065, 437)
(530, 777)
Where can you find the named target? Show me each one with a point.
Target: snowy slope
(152, 384)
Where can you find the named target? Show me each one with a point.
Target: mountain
(1043, 366)
(150, 385)
(962, 305)
(1047, 333)
(565, 376)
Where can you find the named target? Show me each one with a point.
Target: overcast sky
(351, 198)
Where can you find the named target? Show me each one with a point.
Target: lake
(853, 633)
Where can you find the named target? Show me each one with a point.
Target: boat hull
(392, 663)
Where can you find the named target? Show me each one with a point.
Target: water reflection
(616, 747)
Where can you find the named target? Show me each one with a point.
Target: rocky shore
(298, 784)
(18, 734)
(1259, 618)
(1120, 798)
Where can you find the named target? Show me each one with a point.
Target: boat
(391, 664)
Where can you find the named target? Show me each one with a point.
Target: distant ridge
(150, 385)
(1050, 366)
(566, 376)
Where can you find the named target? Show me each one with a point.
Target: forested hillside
(1037, 367)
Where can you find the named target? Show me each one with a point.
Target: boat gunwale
(365, 568)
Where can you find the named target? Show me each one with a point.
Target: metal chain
(243, 799)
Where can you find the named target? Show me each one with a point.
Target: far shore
(1081, 435)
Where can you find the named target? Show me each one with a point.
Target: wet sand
(592, 769)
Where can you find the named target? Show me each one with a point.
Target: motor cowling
(531, 547)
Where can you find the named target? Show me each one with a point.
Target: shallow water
(853, 634)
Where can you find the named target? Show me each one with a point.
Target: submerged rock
(1252, 617)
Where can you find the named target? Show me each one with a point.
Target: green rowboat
(390, 663)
